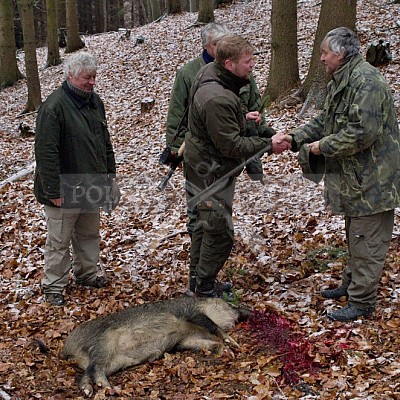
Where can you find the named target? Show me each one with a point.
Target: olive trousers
(213, 235)
(65, 227)
(368, 239)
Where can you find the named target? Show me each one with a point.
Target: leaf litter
(287, 245)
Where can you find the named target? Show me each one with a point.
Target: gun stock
(174, 165)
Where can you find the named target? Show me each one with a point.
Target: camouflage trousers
(65, 227)
(213, 235)
(368, 239)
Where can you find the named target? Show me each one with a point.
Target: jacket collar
(229, 80)
(79, 101)
(341, 76)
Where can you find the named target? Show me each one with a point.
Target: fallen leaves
(287, 245)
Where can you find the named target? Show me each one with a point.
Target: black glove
(113, 197)
(255, 170)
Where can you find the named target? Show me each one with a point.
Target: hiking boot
(213, 289)
(205, 289)
(98, 283)
(350, 313)
(223, 287)
(55, 299)
(335, 293)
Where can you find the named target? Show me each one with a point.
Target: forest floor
(287, 245)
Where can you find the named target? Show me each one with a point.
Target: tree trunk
(284, 67)
(53, 51)
(74, 41)
(111, 13)
(174, 7)
(144, 14)
(61, 13)
(206, 11)
(99, 16)
(86, 16)
(8, 61)
(25, 8)
(194, 5)
(155, 9)
(333, 14)
(39, 17)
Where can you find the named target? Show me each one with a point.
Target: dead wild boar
(145, 332)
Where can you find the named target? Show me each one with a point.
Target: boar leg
(199, 339)
(207, 323)
(93, 374)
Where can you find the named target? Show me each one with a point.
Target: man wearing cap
(357, 133)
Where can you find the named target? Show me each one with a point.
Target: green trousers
(368, 239)
(213, 235)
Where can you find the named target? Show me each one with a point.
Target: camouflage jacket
(216, 141)
(359, 137)
(249, 96)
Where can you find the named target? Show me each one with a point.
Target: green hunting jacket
(249, 95)
(216, 141)
(359, 137)
(72, 149)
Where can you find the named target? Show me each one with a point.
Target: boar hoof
(88, 390)
(231, 341)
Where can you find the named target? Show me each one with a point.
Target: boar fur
(145, 332)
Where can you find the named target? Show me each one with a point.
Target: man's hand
(314, 148)
(281, 142)
(254, 116)
(57, 202)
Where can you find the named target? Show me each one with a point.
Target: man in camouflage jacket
(358, 134)
(215, 145)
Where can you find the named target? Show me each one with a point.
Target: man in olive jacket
(357, 132)
(215, 145)
(177, 121)
(75, 167)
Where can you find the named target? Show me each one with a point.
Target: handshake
(281, 142)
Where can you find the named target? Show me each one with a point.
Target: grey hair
(213, 32)
(343, 41)
(78, 63)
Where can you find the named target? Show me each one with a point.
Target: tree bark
(8, 61)
(25, 8)
(206, 11)
(155, 9)
(53, 51)
(194, 5)
(174, 7)
(284, 67)
(74, 41)
(333, 14)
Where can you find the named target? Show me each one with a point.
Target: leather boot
(205, 289)
(335, 293)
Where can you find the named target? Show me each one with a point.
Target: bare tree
(99, 16)
(155, 9)
(74, 41)
(174, 6)
(25, 8)
(8, 61)
(53, 51)
(194, 5)
(333, 14)
(284, 67)
(206, 11)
